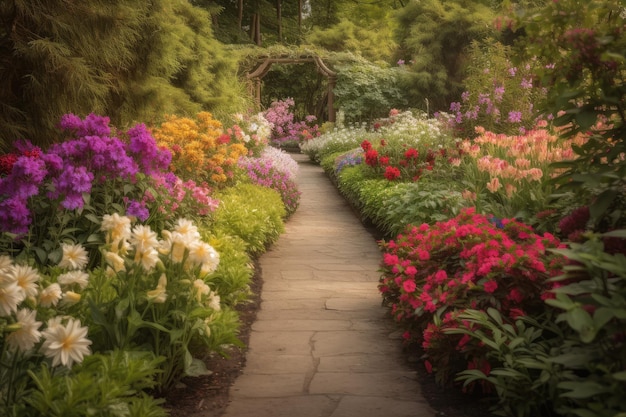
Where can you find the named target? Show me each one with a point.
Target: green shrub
(251, 212)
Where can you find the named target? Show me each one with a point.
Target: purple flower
(527, 83)
(138, 210)
(515, 116)
(455, 106)
(14, 215)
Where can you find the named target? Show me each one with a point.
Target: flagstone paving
(321, 345)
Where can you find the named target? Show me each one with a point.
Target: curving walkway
(321, 345)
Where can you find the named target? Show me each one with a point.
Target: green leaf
(620, 376)
(602, 203)
(582, 389)
(197, 368)
(615, 233)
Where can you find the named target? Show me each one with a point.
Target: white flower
(115, 261)
(147, 258)
(26, 278)
(74, 256)
(28, 333)
(214, 301)
(201, 288)
(174, 245)
(11, 295)
(65, 344)
(50, 295)
(74, 277)
(5, 262)
(143, 238)
(159, 295)
(201, 253)
(118, 228)
(187, 228)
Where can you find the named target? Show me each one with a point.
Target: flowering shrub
(286, 130)
(337, 140)
(432, 274)
(501, 96)
(201, 149)
(276, 170)
(254, 131)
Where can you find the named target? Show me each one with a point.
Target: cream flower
(26, 278)
(174, 245)
(115, 261)
(159, 294)
(25, 337)
(201, 289)
(143, 238)
(187, 228)
(118, 228)
(67, 344)
(201, 253)
(11, 295)
(71, 298)
(214, 301)
(50, 296)
(5, 262)
(147, 258)
(74, 256)
(74, 277)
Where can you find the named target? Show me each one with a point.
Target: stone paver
(322, 345)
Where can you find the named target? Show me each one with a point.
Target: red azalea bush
(431, 274)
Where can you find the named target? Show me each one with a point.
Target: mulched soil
(207, 396)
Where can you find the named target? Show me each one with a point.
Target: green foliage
(104, 385)
(592, 305)
(583, 49)
(433, 36)
(523, 373)
(366, 91)
(233, 274)
(130, 60)
(251, 212)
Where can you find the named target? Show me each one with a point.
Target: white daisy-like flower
(50, 296)
(66, 344)
(186, 228)
(143, 238)
(147, 258)
(201, 253)
(74, 277)
(11, 295)
(74, 256)
(174, 245)
(28, 333)
(26, 278)
(5, 262)
(159, 294)
(118, 227)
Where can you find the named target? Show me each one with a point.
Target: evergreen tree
(129, 60)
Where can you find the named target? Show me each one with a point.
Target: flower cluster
(351, 158)
(277, 170)
(285, 128)
(501, 97)
(254, 131)
(201, 148)
(71, 169)
(431, 274)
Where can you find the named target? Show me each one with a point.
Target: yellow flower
(159, 294)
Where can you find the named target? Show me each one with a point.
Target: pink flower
(409, 285)
(428, 366)
(490, 286)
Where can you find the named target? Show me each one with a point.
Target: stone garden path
(321, 345)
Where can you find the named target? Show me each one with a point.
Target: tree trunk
(240, 14)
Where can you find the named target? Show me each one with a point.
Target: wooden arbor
(257, 75)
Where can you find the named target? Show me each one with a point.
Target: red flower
(223, 139)
(411, 153)
(428, 366)
(409, 285)
(371, 157)
(366, 145)
(384, 160)
(391, 173)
